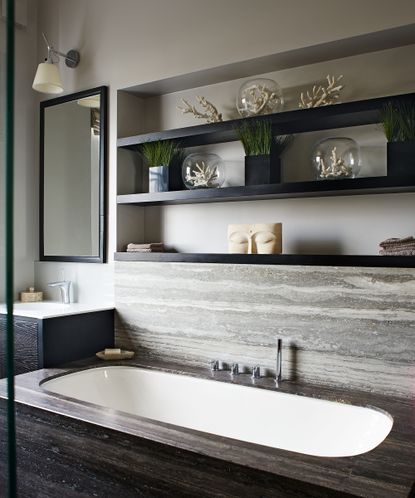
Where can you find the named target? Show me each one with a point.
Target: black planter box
(401, 158)
(262, 170)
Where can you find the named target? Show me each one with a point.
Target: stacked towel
(398, 247)
(152, 247)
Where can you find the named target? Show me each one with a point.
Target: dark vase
(261, 170)
(401, 158)
(158, 179)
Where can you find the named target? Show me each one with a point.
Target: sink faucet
(278, 364)
(64, 287)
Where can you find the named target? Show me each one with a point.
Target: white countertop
(53, 309)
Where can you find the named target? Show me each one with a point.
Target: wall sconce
(48, 78)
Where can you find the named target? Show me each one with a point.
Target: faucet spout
(278, 364)
(64, 287)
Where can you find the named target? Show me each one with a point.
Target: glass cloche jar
(259, 96)
(203, 171)
(336, 158)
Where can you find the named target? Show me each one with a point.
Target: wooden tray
(124, 355)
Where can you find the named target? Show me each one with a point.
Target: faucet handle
(234, 369)
(214, 365)
(256, 372)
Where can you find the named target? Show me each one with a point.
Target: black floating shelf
(323, 188)
(362, 112)
(271, 259)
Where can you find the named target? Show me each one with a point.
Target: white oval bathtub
(271, 418)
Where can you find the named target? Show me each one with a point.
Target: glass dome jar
(336, 158)
(203, 171)
(259, 96)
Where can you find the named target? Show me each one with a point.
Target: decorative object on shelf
(31, 296)
(203, 171)
(398, 247)
(211, 114)
(158, 156)
(398, 120)
(259, 238)
(259, 96)
(262, 152)
(322, 95)
(115, 354)
(336, 158)
(151, 247)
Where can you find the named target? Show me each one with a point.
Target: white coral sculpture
(258, 99)
(337, 167)
(322, 95)
(204, 177)
(211, 114)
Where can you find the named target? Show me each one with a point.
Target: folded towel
(395, 242)
(145, 246)
(152, 249)
(397, 252)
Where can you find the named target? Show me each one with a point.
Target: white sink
(50, 309)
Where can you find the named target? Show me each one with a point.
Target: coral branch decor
(202, 175)
(322, 95)
(336, 158)
(336, 168)
(210, 113)
(260, 96)
(205, 170)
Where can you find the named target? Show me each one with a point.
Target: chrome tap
(214, 365)
(234, 369)
(278, 364)
(64, 286)
(256, 372)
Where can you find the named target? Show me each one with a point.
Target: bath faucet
(64, 287)
(256, 372)
(278, 364)
(234, 369)
(214, 365)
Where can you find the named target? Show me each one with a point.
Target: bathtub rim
(332, 473)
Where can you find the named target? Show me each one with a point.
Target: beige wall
(128, 42)
(25, 212)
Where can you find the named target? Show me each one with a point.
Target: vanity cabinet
(49, 342)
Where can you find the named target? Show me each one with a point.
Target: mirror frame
(103, 156)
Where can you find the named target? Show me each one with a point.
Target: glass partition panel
(7, 423)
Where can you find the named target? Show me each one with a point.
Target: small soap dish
(115, 354)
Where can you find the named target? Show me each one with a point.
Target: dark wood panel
(351, 186)
(358, 113)
(25, 345)
(106, 463)
(271, 259)
(53, 341)
(73, 337)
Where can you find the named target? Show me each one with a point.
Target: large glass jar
(259, 96)
(336, 158)
(203, 171)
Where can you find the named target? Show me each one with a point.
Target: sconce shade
(47, 79)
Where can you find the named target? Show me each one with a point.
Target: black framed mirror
(73, 163)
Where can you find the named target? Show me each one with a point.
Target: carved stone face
(260, 238)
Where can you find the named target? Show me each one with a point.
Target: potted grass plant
(262, 152)
(158, 157)
(398, 120)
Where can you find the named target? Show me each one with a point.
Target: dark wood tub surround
(69, 448)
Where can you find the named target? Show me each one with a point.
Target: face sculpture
(261, 238)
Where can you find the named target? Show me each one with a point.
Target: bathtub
(266, 417)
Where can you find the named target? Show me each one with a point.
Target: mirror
(72, 177)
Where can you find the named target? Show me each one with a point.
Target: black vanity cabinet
(49, 342)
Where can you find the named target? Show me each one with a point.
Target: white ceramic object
(51, 309)
(266, 417)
